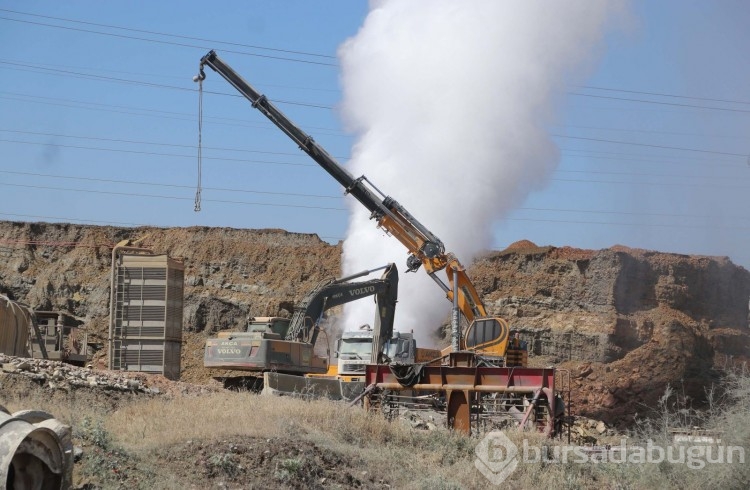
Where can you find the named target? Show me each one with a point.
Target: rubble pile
(62, 376)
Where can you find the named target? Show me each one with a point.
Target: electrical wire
(56, 71)
(143, 31)
(34, 216)
(178, 116)
(713, 225)
(141, 183)
(150, 143)
(675, 104)
(55, 244)
(307, 53)
(178, 198)
(153, 153)
(169, 43)
(661, 94)
(140, 225)
(562, 210)
(697, 150)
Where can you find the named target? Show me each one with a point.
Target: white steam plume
(449, 101)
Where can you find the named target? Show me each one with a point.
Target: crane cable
(199, 78)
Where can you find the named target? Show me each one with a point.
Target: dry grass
(142, 431)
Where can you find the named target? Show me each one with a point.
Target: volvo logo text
(361, 291)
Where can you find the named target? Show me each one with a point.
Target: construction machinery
(486, 336)
(287, 346)
(482, 376)
(63, 339)
(353, 351)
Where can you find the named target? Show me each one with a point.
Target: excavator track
(252, 383)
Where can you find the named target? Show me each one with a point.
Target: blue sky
(99, 123)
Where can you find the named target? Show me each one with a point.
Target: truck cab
(354, 350)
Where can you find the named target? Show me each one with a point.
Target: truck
(353, 351)
(485, 336)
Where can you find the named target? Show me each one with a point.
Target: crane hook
(200, 76)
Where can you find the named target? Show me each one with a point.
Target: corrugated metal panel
(152, 356)
(15, 321)
(146, 329)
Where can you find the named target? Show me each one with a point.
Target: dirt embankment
(625, 322)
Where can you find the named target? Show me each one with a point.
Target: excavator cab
(268, 325)
(489, 335)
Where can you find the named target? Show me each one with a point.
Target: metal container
(146, 312)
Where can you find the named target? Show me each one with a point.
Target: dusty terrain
(626, 323)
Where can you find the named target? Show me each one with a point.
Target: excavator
(286, 346)
(487, 337)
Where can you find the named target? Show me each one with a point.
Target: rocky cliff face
(623, 322)
(229, 273)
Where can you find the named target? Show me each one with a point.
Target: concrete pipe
(36, 451)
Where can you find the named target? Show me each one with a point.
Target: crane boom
(425, 249)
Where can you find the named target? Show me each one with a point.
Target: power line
(264, 125)
(177, 198)
(610, 223)
(73, 219)
(57, 71)
(332, 64)
(54, 244)
(153, 184)
(268, 162)
(143, 31)
(639, 157)
(648, 131)
(170, 43)
(691, 106)
(151, 143)
(152, 153)
(143, 225)
(630, 213)
(626, 156)
(319, 196)
(138, 82)
(306, 53)
(304, 104)
(652, 184)
(640, 174)
(697, 150)
(564, 210)
(164, 75)
(179, 116)
(574, 222)
(728, 101)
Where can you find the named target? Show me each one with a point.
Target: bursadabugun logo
(497, 457)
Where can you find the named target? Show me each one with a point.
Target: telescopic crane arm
(425, 249)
